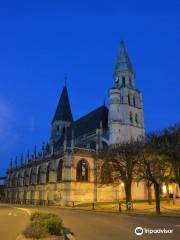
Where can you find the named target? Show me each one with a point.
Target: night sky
(41, 42)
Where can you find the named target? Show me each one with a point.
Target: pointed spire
(11, 164)
(47, 148)
(123, 62)
(43, 150)
(21, 159)
(35, 153)
(28, 156)
(16, 162)
(63, 111)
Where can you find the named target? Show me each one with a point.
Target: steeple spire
(63, 111)
(123, 63)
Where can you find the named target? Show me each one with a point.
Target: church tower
(62, 118)
(126, 116)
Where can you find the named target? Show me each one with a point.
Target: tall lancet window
(117, 81)
(59, 171)
(123, 81)
(82, 171)
(136, 118)
(130, 81)
(129, 100)
(134, 100)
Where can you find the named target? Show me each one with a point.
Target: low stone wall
(67, 192)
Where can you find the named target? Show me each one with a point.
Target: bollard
(93, 206)
(73, 204)
(119, 206)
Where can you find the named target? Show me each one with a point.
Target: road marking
(28, 211)
(9, 214)
(14, 215)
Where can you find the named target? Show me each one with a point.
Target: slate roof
(91, 121)
(63, 111)
(123, 62)
(86, 124)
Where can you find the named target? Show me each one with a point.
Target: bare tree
(170, 141)
(170, 144)
(123, 159)
(154, 165)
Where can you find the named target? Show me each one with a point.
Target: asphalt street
(12, 221)
(89, 225)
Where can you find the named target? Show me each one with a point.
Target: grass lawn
(139, 207)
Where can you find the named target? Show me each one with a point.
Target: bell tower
(62, 118)
(126, 115)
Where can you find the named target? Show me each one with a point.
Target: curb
(125, 213)
(68, 236)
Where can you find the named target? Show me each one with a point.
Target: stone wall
(44, 187)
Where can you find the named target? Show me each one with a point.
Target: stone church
(65, 171)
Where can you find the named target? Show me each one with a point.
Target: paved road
(12, 221)
(89, 225)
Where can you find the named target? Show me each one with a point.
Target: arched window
(129, 100)
(134, 100)
(123, 80)
(130, 82)
(31, 176)
(130, 117)
(117, 80)
(14, 180)
(59, 171)
(82, 171)
(22, 179)
(25, 178)
(19, 179)
(136, 118)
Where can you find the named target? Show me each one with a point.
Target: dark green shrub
(51, 222)
(38, 216)
(35, 231)
(54, 226)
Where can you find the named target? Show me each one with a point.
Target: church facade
(66, 170)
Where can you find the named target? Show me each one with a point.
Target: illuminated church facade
(66, 170)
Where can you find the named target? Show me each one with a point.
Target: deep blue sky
(41, 42)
